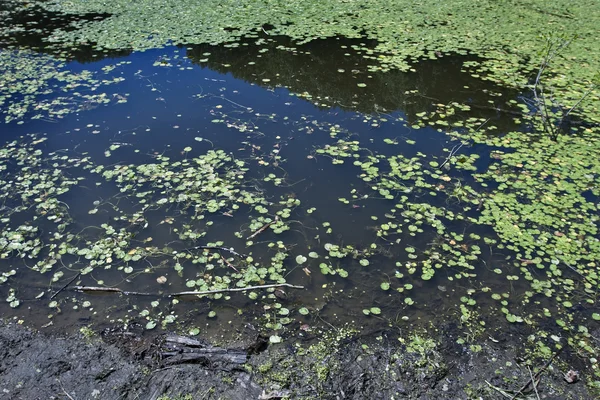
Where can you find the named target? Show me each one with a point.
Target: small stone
(572, 376)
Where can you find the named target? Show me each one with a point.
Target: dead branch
(64, 391)
(109, 289)
(192, 293)
(263, 228)
(180, 349)
(205, 292)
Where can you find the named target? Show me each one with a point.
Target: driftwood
(180, 350)
(184, 341)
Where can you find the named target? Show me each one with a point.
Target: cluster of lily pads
(43, 227)
(38, 86)
(535, 204)
(405, 32)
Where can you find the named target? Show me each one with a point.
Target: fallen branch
(454, 150)
(180, 349)
(200, 293)
(580, 274)
(195, 293)
(235, 357)
(263, 228)
(64, 391)
(481, 107)
(109, 289)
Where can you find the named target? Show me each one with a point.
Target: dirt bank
(124, 364)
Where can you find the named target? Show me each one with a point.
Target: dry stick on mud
(64, 391)
(537, 374)
(534, 383)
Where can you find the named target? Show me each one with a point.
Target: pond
(291, 186)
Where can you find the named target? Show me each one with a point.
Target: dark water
(271, 95)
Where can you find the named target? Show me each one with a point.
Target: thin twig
(586, 94)
(229, 264)
(452, 153)
(537, 373)
(546, 119)
(109, 289)
(63, 389)
(533, 383)
(232, 102)
(455, 149)
(263, 228)
(229, 250)
(194, 293)
(501, 391)
(64, 287)
(579, 273)
(200, 293)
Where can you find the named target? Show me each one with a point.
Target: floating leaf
(151, 325)
(303, 311)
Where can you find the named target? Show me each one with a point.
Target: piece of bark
(186, 341)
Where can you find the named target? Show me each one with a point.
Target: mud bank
(123, 364)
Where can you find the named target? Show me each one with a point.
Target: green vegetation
(405, 31)
(40, 87)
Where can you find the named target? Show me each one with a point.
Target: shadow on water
(28, 27)
(331, 72)
(272, 104)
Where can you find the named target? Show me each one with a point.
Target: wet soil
(124, 364)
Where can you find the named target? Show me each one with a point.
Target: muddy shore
(124, 364)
